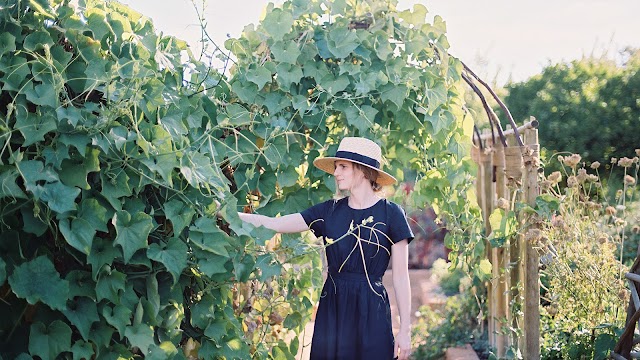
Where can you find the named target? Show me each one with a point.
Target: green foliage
(457, 323)
(580, 241)
(587, 106)
(114, 155)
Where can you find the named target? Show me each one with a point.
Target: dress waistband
(351, 276)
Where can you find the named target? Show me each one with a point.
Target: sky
(501, 40)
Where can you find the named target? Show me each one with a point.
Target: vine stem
(497, 99)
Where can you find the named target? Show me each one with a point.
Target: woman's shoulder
(393, 206)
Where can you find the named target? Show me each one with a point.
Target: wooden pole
(501, 259)
(531, 158)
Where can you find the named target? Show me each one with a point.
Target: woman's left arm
(402, 288)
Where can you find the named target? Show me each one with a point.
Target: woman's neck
(362, 197)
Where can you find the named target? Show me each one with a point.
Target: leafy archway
(113, 153)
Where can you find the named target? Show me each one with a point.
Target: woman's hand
(403, 345)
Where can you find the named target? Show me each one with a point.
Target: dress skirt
(353, 320)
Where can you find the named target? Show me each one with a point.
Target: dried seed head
(555, 177)
(572, 181)
(572, 161)
(625, 162)
(629, 180)
(582, 175)
(503, 203)
(610, 210)
(635, 229)
(595, 165)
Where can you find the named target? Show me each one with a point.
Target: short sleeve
(315, 215)
(398, 225)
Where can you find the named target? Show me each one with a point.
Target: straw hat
(360, 151)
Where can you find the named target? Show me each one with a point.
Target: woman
(362, 232)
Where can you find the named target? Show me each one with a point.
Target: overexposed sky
(499, 39)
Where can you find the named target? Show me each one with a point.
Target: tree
(587, 106)
(114, 154)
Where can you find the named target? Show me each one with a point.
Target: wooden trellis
(624, 348)
(505, 172)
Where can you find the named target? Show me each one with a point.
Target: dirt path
(423, 291)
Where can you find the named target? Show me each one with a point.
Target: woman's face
(347, 176)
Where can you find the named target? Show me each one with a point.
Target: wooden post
(501, 260)
(486, 194)
(531, 259)
(513, 175)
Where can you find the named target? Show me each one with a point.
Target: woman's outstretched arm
(400, 276)
(292, 223)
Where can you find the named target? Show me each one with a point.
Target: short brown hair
(369, 174)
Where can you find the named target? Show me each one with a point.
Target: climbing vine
(115, 153)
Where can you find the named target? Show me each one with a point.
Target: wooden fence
(508, 164)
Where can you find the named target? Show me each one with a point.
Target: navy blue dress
(353, 320)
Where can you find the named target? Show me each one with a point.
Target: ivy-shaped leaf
(278, 23)
(59, 197)
(173, 256)
(286, 52)
(82, 312)
(206, 235)
(118, 316)
(37, 280)
(33, 172)
(179, 213)
(141, 336)
(110, 283)
(81, 284)
(82, 350)
(342, 41)
(162, 351)
(49, 342)
(34, 127)
(102, 253)
(8, 186)
(131, 231)
(79, 233)
(259, 76)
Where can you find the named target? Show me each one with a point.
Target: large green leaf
(259, 76)
(79, 233)
(37, 280)
(81, 284)
(131, 231)
(8, 186)
(173, 256)
(286, 52)
(118, 316)
(34, 171)
(206, 235)
(109, 286)
(342, 41)
(59, 197)
(140, 335)
(49, 342)
(82, 350)
(82, 312)
(277, 23)
(179, 213)
(34, 127)
(163, 351)
(102, 253)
